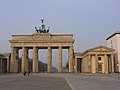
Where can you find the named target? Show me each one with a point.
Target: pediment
(101, 48)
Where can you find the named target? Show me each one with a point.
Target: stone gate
(38, 41)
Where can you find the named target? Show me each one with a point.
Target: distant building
(95, 60)
(5, 63)
(113, 41)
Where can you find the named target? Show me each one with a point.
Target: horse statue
(42, 28)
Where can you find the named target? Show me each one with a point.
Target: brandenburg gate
(42, 39)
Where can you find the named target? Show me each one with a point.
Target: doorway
(99, 67)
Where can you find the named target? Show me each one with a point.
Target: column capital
(60, 46)
(96, 54)
(35, 47)
(12, 47)
(49, 46)
(89, 55)
(70, 46)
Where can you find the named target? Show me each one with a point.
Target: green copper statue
(42, 28)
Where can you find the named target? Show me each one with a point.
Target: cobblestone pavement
(94, 82)
(34, 82)
(91, 81)
(60, 82)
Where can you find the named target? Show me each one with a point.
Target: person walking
(24, 73)
(29, 72)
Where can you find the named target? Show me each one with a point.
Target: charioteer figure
(42, 28)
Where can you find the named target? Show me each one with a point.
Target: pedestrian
(29, 72)
(43, 70)
(24, 73)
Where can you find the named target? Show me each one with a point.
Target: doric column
(12, 60)
(15, 60)
(49, 67)
(60, 59)
(70, 56)
(8, 65)
(35, 59)
(24, 59)
(93, 63)
(96, 63)
(89, 64)
(105, 64)
(75, 67)
(112, 61)
(1, 65)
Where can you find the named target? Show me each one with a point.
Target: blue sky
(90, 21)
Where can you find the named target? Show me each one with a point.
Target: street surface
(56, 81)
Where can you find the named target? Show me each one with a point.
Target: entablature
(42, 38)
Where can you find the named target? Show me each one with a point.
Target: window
(99, 58)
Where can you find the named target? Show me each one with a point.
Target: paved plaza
(94, 82)
(44, 81)
(34, 82)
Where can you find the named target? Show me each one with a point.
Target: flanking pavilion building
(4, 62)
(95, 60)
